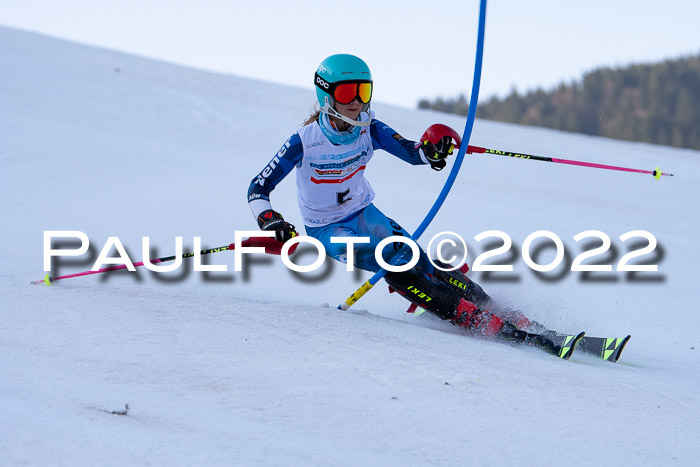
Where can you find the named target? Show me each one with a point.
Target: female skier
(330, 153)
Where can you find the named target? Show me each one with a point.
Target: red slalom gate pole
(657, 173)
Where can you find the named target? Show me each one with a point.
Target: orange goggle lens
(345, 93)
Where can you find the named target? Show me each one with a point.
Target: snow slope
(257, 367)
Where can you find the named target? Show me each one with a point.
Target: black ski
(607, 348)
(563, 346)
(560, 345)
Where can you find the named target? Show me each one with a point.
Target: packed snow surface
(258, 366)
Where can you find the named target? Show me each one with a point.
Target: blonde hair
(315, 114)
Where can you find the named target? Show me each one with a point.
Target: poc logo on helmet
(321, 82)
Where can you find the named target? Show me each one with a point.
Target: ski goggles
(345, 92)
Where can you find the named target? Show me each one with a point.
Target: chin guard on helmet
(327, 109)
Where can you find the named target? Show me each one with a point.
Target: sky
(415, 49)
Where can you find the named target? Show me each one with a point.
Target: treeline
(655, 103)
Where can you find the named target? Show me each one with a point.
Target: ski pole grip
(475, 149)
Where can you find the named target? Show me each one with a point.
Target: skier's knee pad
(434, 296)
(468, 289)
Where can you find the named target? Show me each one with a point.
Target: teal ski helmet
(336, 69)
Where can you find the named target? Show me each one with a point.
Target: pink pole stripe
(110, 268)
(600, 166)
(480, 150)
(272, 247)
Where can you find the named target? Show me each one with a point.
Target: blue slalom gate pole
(352, 299)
